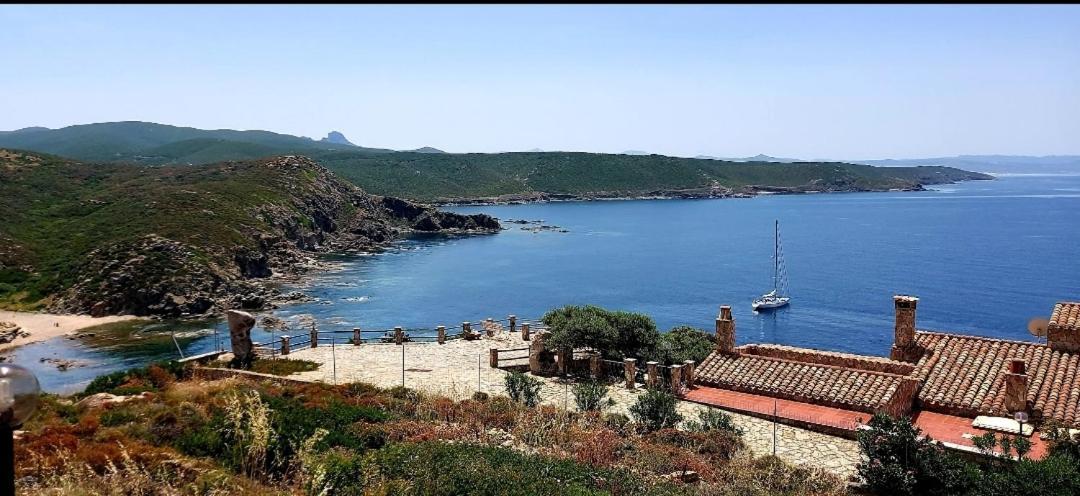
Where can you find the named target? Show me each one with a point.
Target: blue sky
(854, 82)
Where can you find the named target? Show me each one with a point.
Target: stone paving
(459, 368)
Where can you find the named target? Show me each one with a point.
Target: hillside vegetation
(116, 238)
(427, 175)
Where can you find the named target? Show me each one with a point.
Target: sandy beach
(43, 326)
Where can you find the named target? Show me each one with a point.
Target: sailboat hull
(770, 303)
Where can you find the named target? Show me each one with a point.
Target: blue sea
(984, 257)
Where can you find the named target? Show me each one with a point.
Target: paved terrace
(460, 367)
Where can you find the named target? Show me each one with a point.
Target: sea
(984, 258)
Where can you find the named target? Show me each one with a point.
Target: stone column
(594, 365)
(630, 371)
(564, 358)
(356, 339)
(525, 331)
(725, 330)
(442, 334)
(399, 335)
(490, 327)
(513, 324)
(493, 357)
(535, 348)
(688, 373)
(240, 325)
(676, 380)
(314, 336)
(904, 329)
(1016, 386)
(466, 330)
(284, 345)
(651, 369)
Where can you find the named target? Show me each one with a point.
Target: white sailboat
(776, 297)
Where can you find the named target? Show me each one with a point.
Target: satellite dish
(1037, 326)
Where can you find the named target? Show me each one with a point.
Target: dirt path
(43, 326)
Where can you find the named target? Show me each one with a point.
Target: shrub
(523, 388)
(683, 343)
(136, 380)
(1055, 475)
(480, 396)
(283, 366)
(711, 419)
(616, 335)
(589, 396)
(899, 461)
(656, 410)
(117, 416)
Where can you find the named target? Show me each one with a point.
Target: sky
(800, 81)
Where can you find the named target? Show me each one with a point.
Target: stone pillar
(1016, 386)
(594, 365)
(525, 331)
(442, 334)
(284, 345)
(399, 335)
(240, 325)
(490, 327)
(725, 330)
(688, 373)
(676, 380)
(904, 329)
(565, 356)
(493, 357)
(314, 336)
(535, 348)
(630, 371)
(513, 324)
(466, 330)
(651, 369)
(356, 339)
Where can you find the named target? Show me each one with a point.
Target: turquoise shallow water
(984, 257)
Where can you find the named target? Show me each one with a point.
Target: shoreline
(46, 326)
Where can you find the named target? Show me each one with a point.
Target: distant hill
(756, 158)
(336, 138)
(1014, 164)
(427, 149)
(167, 240)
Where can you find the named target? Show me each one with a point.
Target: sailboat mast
(776, 256)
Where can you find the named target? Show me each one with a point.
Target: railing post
(490, 326)
(356, 339)
(314, 337)
(399, 335)
(688, 373)
(466, 330)
(284, 345)
(513, 324)
(493, 357)
(676, 380)
(442, 334)
(651, 369)
(524, 331)
(630, 370)
(594, 365)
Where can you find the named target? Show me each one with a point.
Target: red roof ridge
(980, 338)
(810, 364)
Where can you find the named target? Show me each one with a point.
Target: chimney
(725, 330)
(904, 329)
(1016, 386)
(1063, 331)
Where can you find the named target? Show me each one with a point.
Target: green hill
(118, 238)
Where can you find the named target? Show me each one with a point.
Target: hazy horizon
(807, 82)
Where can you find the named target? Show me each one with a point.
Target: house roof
(844, 387)
(965, 375)
(1066, 315)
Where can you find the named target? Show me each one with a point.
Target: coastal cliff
(122, 239)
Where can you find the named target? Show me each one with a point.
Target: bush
(480, 396)
(136, 380)
(616, 335)
(283, 366)
(589, 396)
(656, 410)
(683, 343)
(900, 462)
(1055, 475)
(523, 388)
(711, 419)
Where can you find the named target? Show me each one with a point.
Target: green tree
(615, 334)
(655, 410)
(899, 460)
(683, 343)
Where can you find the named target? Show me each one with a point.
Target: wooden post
(314, 336)
(490, 326)
(513, 324)
(630, 370)
(356, 339)
(676, 380)
(284, 345)
(594, 365)
(524, 331)
(399, 335)
(442, 334)
(688, 373)
(564, 357)
(493, 357)
(651, 369)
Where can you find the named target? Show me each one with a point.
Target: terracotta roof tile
(1066, 315)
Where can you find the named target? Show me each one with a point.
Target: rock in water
(240, 324)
